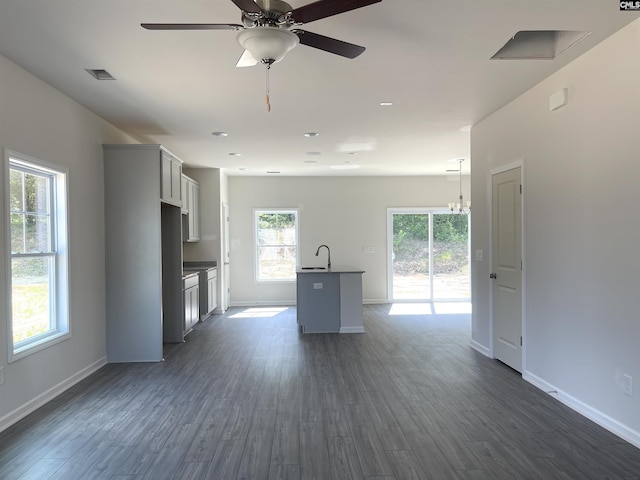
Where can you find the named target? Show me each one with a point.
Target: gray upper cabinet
(171, 179)
(194, 212)
(191, 207)
(184, 193)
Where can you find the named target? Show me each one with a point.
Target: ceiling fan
(269, 28)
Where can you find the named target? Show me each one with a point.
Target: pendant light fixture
(459, 206)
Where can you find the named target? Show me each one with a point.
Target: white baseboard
(32, 405)
(291, 303)
(351, 329)
(480, 348)
(264, 303)
(375, 301)
(582, 408)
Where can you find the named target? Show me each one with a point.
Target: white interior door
(225, 299)
(507, 267)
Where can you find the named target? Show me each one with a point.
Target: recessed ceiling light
(310, 161)
(353, 153)
(243, 169)
(220, 134)
(272, 171)
(345, 166)
(313, 154)
(311, 134)
(99, 74)
(386, 104)
(235, 154)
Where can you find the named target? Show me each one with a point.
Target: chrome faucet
(328, 253)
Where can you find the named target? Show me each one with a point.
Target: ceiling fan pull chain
(266, 98)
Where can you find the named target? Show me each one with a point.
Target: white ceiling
(430, 58)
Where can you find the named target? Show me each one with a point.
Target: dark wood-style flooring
(248, 397)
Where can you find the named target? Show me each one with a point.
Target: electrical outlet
(627, 384)
(1, 375)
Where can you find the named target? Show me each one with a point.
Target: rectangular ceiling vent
(100, 74)
(538, 44)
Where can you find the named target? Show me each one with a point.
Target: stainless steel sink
(313, 268)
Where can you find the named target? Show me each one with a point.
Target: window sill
(37, 346)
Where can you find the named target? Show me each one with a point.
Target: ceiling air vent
(100, 74)
(538, 44)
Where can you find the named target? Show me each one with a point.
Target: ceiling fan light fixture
(267, 44)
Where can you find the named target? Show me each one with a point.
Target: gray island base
(329, 300)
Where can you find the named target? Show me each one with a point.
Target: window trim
(256, 271)
(59, 301)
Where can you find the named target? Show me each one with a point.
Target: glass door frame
(430, 211)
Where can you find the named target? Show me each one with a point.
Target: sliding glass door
(410, 256)
(428, 255)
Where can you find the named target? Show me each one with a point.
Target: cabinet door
(187, 309)
(195, 305)
(165, 174)
(191, 307)
(184, 193)
(171, 177)
(176, 179)
(212, 303)
(194, 212)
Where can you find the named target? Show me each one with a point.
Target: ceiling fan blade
(327, 8)
(191, 26)
(329, 44)
(248, 6)
(246, 60)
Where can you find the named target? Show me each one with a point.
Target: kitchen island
(329, 300)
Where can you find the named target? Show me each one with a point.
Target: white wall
(345, 213)
(39, 121)
(582, 194)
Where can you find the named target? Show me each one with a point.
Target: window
(38, 271)
(276, 245)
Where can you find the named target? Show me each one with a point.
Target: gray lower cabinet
(208, 282)
(191, 291)
(211, 293)
(318, 302)
(330, 301)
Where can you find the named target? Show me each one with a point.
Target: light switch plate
(627, 385)
(479, 255)
(367, 249)
(317, 286)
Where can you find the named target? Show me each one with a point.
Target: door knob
(493, 275)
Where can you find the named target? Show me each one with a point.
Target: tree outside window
(276, 245)
(38, 260)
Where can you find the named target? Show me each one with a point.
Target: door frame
(225, 274)
(495, 171)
